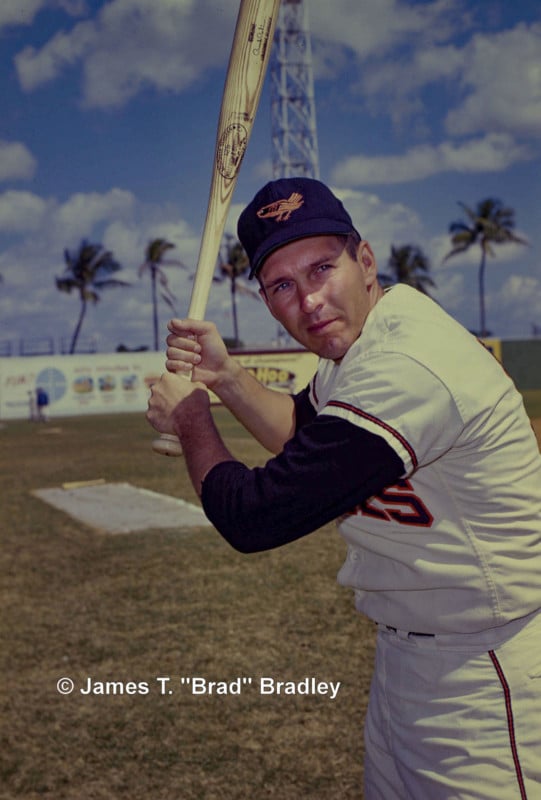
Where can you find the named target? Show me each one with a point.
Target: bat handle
(167, 444)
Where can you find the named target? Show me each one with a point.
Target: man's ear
(366, 254)
(366, 257)
(367, 260)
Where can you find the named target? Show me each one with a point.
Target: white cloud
(16, 161)
(492, 82)
(19, 12)
(375, 27)
(518, 302)
(449, 291)
(22, 212)
(81, 213)
(22, 12)
(381, 223)
(384, 51)
(36, 67)
(492, 153)
(523, 289)
(131, 45)
(503, 93)
(394, 86)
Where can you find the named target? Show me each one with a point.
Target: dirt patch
(122, 508)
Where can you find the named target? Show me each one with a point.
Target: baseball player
(415, 439)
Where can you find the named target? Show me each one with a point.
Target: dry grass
(79, 603)
(134, 607)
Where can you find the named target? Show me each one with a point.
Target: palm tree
(154, 262)
(233, 265)
(88, 272)
(408, 264)
(489, 223)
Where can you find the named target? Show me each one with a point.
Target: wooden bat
(248, 60)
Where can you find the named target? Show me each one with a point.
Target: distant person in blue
(32, 406)
(42, 403)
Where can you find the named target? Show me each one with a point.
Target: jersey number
(398, 503)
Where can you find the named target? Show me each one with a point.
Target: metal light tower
(293, 115)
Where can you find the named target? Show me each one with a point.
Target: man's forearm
(268, 415)
(202, 445)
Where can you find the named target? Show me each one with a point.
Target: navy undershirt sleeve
(304, 410)
(325, 470)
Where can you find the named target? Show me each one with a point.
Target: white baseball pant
(456, 717)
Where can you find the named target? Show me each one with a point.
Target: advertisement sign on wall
(120, 382)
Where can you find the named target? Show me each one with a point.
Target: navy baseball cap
(286, 210)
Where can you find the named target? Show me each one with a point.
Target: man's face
(319, 293)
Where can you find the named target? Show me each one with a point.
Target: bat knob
(167, 445)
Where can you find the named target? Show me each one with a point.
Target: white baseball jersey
(455, 546)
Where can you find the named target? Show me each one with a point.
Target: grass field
(80, 603)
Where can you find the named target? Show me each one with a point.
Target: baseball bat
(248, 60)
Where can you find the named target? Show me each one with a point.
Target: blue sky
(109, 113)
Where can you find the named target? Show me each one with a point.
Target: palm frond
(168, 300)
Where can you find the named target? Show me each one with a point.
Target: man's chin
(333, 349)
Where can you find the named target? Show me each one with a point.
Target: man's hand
(174, 402)
(268, 415)
(196, 345)
(182, 407)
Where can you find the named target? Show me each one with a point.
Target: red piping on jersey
(364, 415)
(510, 723)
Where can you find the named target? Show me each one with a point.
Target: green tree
(155, 261)
(233, 265)
(408, 264)
(88, 271)
(489, 223)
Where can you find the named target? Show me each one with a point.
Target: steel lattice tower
(293, 114)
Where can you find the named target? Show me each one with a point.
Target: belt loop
(407, 634)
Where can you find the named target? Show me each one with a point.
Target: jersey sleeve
(401, 400)
(304, 410)
(324, 471)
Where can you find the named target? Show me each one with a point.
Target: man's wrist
(227, 378)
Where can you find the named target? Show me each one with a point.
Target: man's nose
(310, 302)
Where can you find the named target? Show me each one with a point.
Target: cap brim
(294, 232)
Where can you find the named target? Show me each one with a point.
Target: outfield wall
(522, 360)
(120, 382)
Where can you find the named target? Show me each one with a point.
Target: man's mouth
(320, 327)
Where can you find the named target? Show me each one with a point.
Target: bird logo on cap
(281, 210)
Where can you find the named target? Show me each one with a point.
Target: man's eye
(281, 287)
